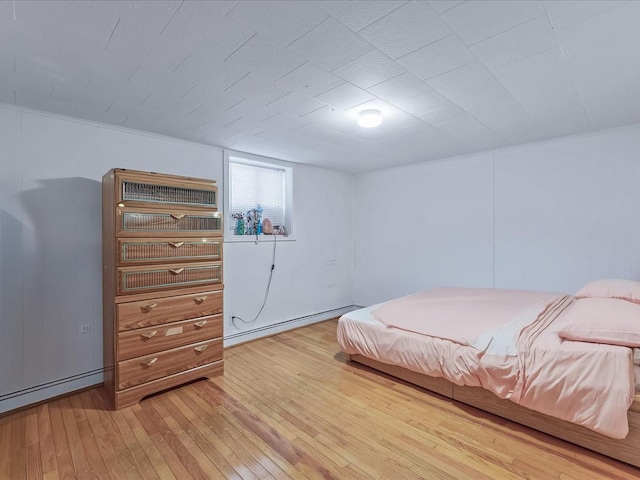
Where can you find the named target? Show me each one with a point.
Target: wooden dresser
(162, 282)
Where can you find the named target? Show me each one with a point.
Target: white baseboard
(38, 393)
(265, 331)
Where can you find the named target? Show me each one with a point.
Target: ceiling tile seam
(296, 68)
(146, 98)
(512, 28)
(238, 48)
(344, 80)
(431, 43)
(232, 122)
(589, 16)
(237, 81)
(381, 18)
(282, 96)
(237, 103)
(520, 59)
(307, 32)
(343, 64)
(194, 110)
(360, 56)
(133, 73)
(231, 9)
(494, 77)
(112, 32)
(451, 8)
(573, 84)
(171, 18)
(183, 60)
(449, 71)
(189, 91)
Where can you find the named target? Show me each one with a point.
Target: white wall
(546, 216)
(50, 245)
(313, 274)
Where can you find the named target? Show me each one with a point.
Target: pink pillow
(602, 320)
(617, 288)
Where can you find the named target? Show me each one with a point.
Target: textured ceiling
(286, 79)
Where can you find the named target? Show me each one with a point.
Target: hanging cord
(266, 293)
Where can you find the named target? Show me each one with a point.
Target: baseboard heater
(47, 390)
(321, 316)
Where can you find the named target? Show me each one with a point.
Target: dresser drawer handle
(176, 244)
(176, 271)
(149, 334)
(199, 300)
(200, 324)
(150, 362)
(177, 217)
(148, 308)
(201, 348)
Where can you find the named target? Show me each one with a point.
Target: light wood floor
(287, 407)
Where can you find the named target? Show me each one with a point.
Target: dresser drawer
(150, 367)
(137, 251)
(148, 313)
(153, 278)
(141, 222)
(135, 343)
(133, 188)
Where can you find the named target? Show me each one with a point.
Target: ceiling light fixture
(369, 118)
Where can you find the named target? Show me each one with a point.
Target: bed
(525, 361)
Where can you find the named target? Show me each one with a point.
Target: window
(256, 181)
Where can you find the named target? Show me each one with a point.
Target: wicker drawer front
(156, 193)
(139, 251)
(135, 343)
(148, 313)
(150, 367)
(153, 278)
(142, 222)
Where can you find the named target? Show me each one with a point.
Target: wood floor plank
(106, 448)
(33, 461)
(5, 446)
(18, 452)
(78, 455)
(287, 407)
(145, 467)
(225, 459)
(160, 466)
(60, 441)
(46, 445)
(190, 453)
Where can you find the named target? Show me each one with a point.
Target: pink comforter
(516, 353)
(462, 315)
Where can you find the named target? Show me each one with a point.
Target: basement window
(257, 182)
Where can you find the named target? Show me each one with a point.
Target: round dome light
(369, 118)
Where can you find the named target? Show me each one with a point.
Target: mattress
(571, 396)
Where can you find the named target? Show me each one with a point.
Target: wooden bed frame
(627, 450)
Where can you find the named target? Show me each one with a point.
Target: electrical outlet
(231, 319)
(85, 328)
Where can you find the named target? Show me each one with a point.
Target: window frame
(231, 156)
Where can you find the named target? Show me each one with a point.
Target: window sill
(261, 238)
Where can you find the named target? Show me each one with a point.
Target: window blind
(252, 185)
